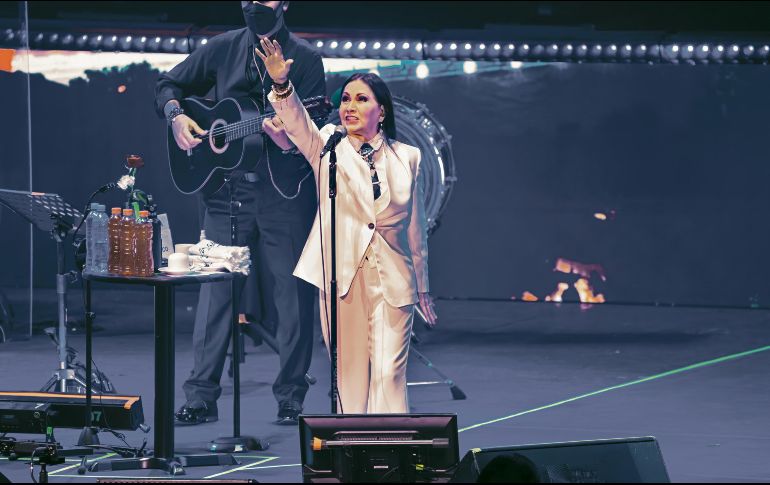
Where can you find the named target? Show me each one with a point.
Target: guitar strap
(266, 151)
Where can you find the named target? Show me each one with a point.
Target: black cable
(86, 210)
(32, 466)
(389, 472)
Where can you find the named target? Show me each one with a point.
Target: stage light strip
(240, 468)
(621, 386)
(54, 472)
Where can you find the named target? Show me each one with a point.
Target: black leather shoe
(288, 413)
(192, 415)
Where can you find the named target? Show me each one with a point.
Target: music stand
(52, 214)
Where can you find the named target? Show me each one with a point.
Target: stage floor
(533, 373)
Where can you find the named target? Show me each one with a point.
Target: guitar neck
(252, 126)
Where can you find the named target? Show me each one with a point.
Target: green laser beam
(621, 386)
(119, 477)
(275, 466)
(244, 467)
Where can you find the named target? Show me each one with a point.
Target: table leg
(90, 434)
(89, 353)
(164, 372)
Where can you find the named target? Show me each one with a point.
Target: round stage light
(610, 52)
(110, 42)
(537, 52)
(374, 49)
(81, 42)
(626, 51)
(67, 41)
(422, 71)
(465, 50)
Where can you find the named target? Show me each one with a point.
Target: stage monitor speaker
(621, 460)
(378, 448)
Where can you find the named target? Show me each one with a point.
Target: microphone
(106, 187)
(339, 133)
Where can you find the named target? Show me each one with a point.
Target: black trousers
(276, 229)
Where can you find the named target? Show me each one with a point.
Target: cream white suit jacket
(397, 235)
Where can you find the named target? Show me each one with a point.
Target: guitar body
(204, 168)
(234, 141)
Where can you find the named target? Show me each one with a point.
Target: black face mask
(260, 19)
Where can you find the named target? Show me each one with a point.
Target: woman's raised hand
(276, 65)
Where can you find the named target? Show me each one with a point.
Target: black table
(164, 287)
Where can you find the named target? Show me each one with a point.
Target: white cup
(179, 262)
(183, 248)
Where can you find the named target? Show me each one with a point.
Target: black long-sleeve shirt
(225, 67)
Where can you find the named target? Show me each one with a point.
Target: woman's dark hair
(383, 97)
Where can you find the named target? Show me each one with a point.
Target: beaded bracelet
(283, 92)
(173, 113)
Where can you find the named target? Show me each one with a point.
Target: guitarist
(278, 200)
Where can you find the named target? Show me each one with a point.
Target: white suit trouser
(372, 346)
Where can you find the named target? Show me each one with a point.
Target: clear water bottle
(97, 239)
(101, 241)
(91, 236)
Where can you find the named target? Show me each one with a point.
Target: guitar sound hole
(219, 141)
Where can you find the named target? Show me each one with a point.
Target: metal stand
(269, 340)
(333, 283)
(90, 434)
(64, 375)
(52, 214)
(457, 393)
(236, 443)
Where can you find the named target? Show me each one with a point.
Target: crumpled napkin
(208, 255)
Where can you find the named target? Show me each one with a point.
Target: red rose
(134, 161)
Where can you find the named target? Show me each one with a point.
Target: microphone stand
(333, 282)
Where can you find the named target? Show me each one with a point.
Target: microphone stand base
(237, 444)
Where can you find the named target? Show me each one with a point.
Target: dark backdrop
(675, 156)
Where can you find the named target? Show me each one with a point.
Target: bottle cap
(102, 207)
(128, 212)
(144, 214)
(94, 206)
(116, 210)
